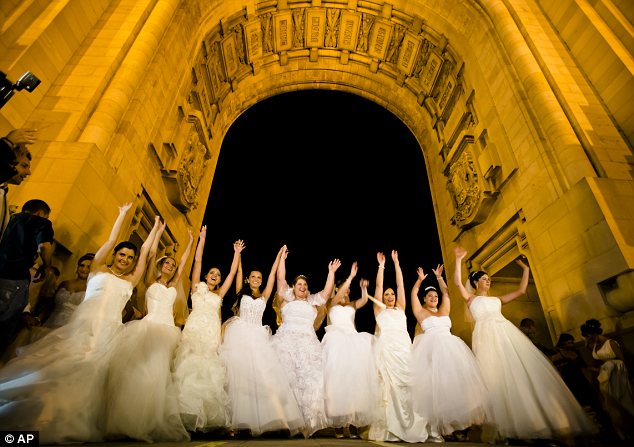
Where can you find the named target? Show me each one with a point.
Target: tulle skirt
(56, 385)
(350, 377)
(448, 390)
(260, 395)
(528, 397)
(142, 400)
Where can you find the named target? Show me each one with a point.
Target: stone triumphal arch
(523, 109)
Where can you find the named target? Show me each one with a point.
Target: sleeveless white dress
(142, 399)
(396, 420)
(299, 352)
(259, 392)
(199, 374)
(57, 384)
(350, 374)
(528, 397)
(448, 390)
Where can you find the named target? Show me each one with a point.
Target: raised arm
(445, 305)
(378, 288)
(521, 290)
(104, 251)
(377, 304)
(457, 275)
(238, 246)
(345, 287)
(358, 304)
(282, 285)
(184, 257)
(239, 277)
(417, 308)
(198, 256)
(400, 285)
(150, 272)
(270, 282)
(330, 280)
(139, 268)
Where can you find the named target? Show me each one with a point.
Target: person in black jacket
(28, 234)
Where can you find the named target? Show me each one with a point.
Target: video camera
(28, 81)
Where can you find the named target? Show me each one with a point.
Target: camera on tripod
(28, 81)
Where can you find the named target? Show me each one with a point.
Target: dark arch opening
(331, 175)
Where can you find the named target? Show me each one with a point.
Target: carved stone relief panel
(445, 96)
(349, 30)
(408, 52)
(315, 28)
(398, 33)
(430, 72)
(298, 27)
(230, 54)
(267, 32)
(253, 35)
(472, 199)
(379, 39)
(182, 183)
(283, 31)
(332, 27)
(363, 41)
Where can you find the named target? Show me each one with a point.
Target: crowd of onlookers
(595, 372)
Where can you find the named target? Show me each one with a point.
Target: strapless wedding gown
(396, 420)
(350, 374)
(199, 374)
(448, 389)
(57, 384)
(142, 399)
(299, 352)
(259, 392)
(528, 397)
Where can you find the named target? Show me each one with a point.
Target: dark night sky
(331, 175)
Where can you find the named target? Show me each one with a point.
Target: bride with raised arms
(57, 385)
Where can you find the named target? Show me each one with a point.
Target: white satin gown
(350, 373)
(528, 397)
(397, 420)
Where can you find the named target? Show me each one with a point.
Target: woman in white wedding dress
(260, 396)
(199, 374)
(350, 375)
(57, 385)
(528, 397)
(448, 391)
(297, 345)
(142, 399)
(396, 420)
